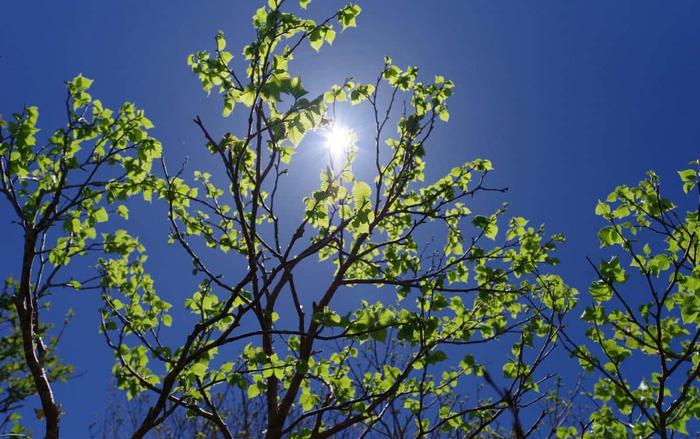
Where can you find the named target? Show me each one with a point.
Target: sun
(339, 139)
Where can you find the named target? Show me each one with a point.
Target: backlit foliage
(298, 344)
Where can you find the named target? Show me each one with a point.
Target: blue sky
(568, 99)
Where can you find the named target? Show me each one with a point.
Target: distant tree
(58, 191)
(644, 322)
(395, 262)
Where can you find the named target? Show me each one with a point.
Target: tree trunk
(26, 311)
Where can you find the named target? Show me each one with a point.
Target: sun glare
(338, 140)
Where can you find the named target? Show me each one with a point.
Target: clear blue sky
(567, 99)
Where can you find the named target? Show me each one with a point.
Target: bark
(34, 349)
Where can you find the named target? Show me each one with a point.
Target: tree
(298, 348)
(646, 311)
(58, 192)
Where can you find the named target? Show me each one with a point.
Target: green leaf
(123, 211)
(101, 215)
(609, 236)
(316, 39)
(600, 291)
(199, 369)
(361, 194)
(329, 36)
(81, 83)
(75, 225)
(347, 16)
(488, 225)
(602, 208)
(689, 177)
(444, 114)
(253, 390)
(229, 104)
(220, 41)
(613, 271)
